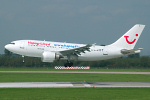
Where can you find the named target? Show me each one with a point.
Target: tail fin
(130, 38)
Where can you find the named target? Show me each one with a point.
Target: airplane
(50, 51)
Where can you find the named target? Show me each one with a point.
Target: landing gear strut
(23, 59)
(68, 64)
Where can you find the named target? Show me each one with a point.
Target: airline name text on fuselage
(49, 44)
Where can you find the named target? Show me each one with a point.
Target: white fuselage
(34, 48)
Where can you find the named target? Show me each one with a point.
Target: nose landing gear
(23, 59)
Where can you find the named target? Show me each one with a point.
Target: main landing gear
(68, 64)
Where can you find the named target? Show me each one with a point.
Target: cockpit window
(12, 43)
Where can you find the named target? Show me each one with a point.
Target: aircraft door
(105, 51)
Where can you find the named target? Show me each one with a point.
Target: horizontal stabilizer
(132, 51)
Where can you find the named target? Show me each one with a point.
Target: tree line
(133, 61)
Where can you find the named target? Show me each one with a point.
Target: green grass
(52, 69)
(72, 77)
(74, 94)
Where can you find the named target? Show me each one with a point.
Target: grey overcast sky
(77, 21)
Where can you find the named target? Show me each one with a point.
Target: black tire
(65, 64)
(68, 64)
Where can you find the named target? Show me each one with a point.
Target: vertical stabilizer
(130, 38)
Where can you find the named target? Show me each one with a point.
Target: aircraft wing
(132, 51)
(76, 51)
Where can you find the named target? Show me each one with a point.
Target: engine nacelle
(50, 56)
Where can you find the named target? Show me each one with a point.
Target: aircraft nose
(7, 47)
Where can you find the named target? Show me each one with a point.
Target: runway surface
(72, 84)
(96, 72)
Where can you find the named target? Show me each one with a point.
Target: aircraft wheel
(68, 64)
(65, 65)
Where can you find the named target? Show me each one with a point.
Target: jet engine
(48, 56)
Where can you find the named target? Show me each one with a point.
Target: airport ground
(75, 94)
(71, 77)
(86, 93)
(93, 69)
